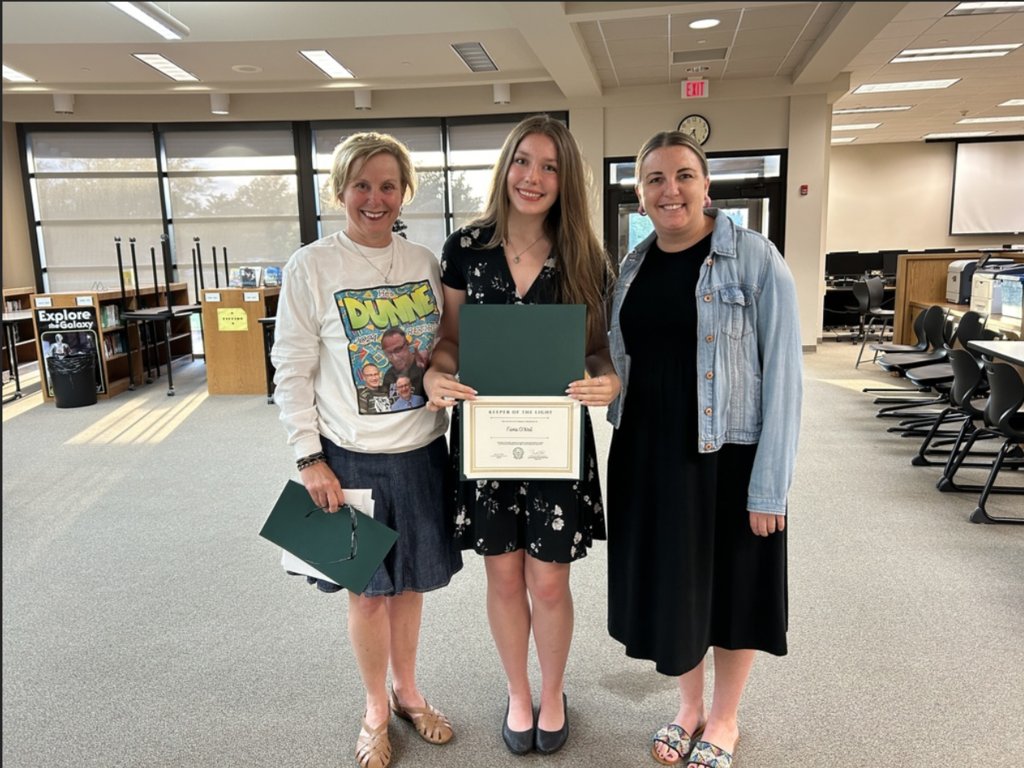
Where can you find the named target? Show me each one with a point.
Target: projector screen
(988, 188)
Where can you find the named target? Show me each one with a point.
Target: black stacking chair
(937, 378)
(870, 294)
(1003, 419)
(919, 346)
(965, 405)
(934, 331)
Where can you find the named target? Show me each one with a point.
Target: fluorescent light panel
(856, 127)
(15, 76)
(955, 52)
(957, 135)
(329, 65)
(910, 85)
(166, 67)
(475, 57)
(1004, 119)
(865, 110)
(843, 139)
(1012, 103)
(970, 9)
(704, 23)
(156, 18)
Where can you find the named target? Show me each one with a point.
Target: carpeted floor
(146, 624)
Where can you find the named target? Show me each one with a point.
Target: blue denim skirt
(408, 496)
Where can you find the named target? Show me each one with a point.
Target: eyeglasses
(396, 350)
(353, 546)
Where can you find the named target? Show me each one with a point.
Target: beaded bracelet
(309, 461)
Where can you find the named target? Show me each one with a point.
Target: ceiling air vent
(708, 54)
(475, 57)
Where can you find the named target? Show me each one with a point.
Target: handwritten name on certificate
(522, 438)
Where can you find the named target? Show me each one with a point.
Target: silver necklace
(517, 256)
(386, 274)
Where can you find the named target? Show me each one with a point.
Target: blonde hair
(669, 139)
(585, 269)
(351, 154)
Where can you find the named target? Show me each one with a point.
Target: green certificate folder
(326, 541)
(520, 358)
(521, 349)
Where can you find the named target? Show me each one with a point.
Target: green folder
(325, 541)
(522, 349)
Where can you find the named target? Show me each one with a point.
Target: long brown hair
(584, 266)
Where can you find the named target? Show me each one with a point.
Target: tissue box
(1012, 290)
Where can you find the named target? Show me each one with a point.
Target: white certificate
(522, 438)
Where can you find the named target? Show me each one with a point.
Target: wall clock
(696, 126)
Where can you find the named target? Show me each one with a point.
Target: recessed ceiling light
(863, 110)
(955, 52)
(327, 64)
(475, 56)
(856, 127)
(166, 67)
(246, 69)
(968, 9)
(704, 23)
(957, 135)
(15, 76)
(1003, 119)
(1012, 103)
(844, 139)
(910, 85)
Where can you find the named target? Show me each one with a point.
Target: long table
(1010, 351)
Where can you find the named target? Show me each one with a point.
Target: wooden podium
(233, 338)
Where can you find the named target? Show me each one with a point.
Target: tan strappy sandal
(431, 724)
(373, 748)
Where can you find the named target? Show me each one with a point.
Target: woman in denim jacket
(704, 336)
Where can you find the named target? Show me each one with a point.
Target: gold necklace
(386, 274)
(517, 256)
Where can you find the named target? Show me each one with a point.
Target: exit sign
(695, 89)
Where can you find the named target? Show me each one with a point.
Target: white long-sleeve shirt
(331, 312)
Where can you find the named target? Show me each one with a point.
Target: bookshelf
(233, 338)
(92, 321)
(19, 300)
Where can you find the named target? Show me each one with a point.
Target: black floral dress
(553, 520)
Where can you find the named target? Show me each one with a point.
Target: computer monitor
(889, 261)
(850, 264)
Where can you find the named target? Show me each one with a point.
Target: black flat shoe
(518, 742)
(551, 741)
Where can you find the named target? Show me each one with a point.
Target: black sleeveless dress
(553, 520)
(685, 572)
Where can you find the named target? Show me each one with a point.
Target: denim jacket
(749, 357)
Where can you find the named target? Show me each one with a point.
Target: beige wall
(892, 196)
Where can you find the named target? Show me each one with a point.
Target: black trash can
(73, 378)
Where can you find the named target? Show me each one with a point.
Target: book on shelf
(250, 276)
(272, 277)
(235, 277)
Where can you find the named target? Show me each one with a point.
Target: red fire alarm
(803, 189)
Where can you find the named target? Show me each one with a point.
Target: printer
(958, 280)
(960, 276)
(986, 290)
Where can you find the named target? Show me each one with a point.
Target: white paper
(361, 499)
(521, 438)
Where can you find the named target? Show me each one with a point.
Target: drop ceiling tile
(630, 29)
